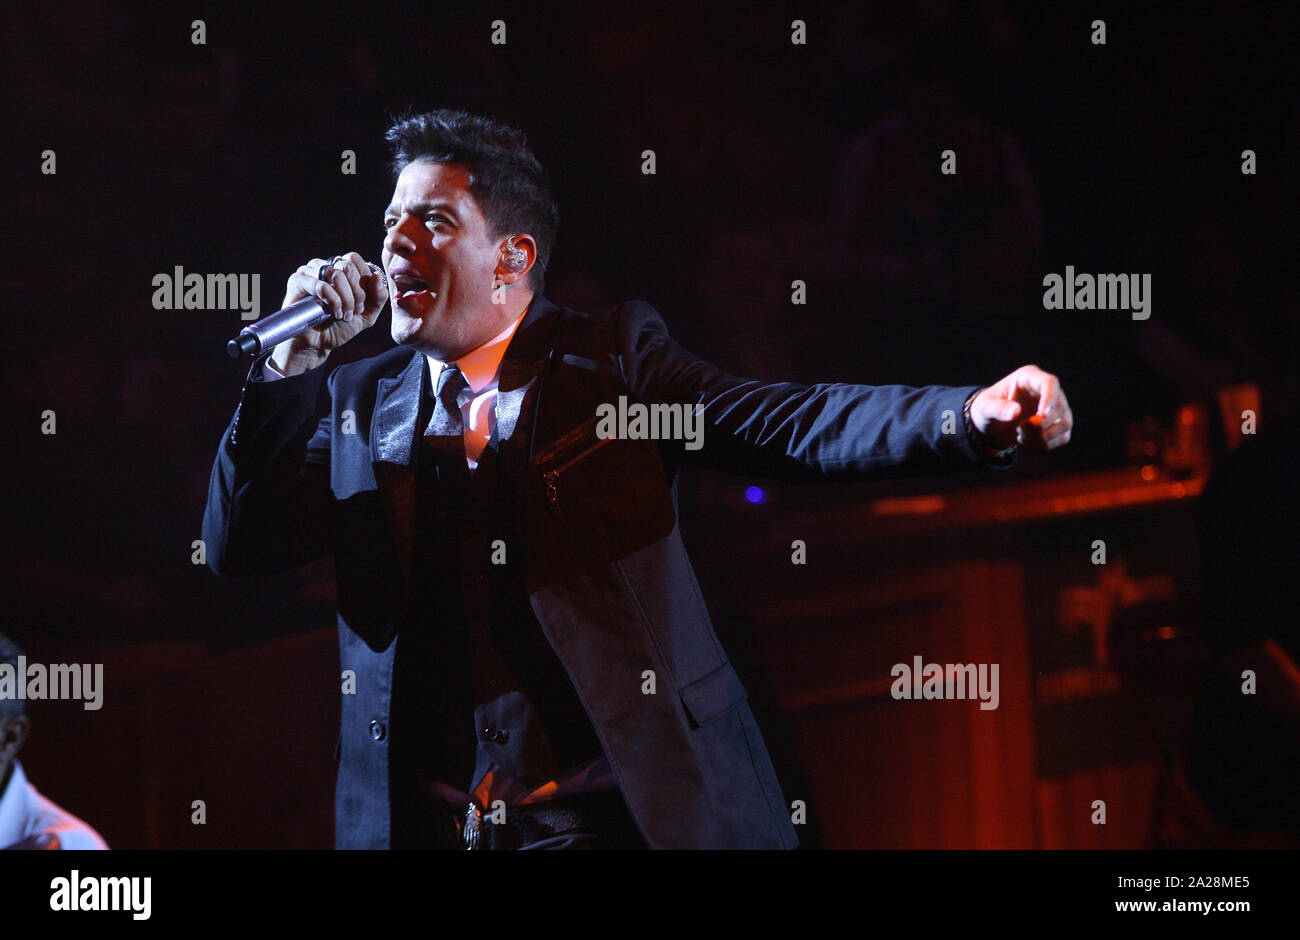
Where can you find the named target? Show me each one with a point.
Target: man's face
(441, 263)
(13, 732)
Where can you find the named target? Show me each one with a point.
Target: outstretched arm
(829, 431)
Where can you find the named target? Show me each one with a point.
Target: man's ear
(515, 258)
(13, 733)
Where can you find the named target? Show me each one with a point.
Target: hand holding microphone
(326, 303)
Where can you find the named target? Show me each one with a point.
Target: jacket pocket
(708, 698)
(558, 459)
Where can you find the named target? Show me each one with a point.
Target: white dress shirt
(478, 404)
(25, 814)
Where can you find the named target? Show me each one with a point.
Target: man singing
(527, 660)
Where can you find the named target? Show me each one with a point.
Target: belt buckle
(472, 828)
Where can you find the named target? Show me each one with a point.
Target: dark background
(775, 162)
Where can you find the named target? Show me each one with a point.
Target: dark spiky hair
(507, 182)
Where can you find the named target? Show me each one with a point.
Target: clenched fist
(351, 291)
(1027, 407)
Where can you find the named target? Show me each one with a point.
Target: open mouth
(408, 288)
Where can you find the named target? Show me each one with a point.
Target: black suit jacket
(607, 574)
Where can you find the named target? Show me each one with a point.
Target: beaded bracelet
(977, 438)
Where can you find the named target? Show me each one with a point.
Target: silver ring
(323, 270)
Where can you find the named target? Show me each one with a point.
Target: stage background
(775, 162)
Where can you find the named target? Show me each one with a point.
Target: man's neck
(483, 362)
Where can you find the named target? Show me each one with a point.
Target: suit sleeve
(792, 432)
(270, 507)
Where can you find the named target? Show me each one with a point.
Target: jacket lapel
(517, 385)
(392, 446)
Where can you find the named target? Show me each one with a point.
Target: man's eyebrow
(425, 206)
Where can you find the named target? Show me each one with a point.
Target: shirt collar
(481, 366)
(13, 807)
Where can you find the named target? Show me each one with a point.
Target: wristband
(981, 443)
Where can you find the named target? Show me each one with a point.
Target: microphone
(274, 328)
